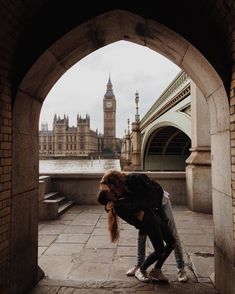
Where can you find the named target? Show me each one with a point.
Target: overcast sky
(132, 68)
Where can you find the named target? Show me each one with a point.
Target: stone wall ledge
(82, 188)
(156, 175)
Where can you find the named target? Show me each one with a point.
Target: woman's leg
(170, 244)
(141, 247)
(152, 227)
(167, 210)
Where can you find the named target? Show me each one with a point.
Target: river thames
(78, 166)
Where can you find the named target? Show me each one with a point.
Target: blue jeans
(141, 241)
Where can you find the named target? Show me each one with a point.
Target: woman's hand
(109, 206)
(140, 215)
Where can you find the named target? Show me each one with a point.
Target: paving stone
(41, 250)
(94, 209)
(41, 226)
(46, 240)
(91, 271)
(85, 218)
(95, 255)
(65, 290)
(76, 209)
(203, 266)
(63, 249)
(190, 249)
(74, 229)
(126, 226)
(131, 241)
(183, 231)
(72, 238)
(59, 221)
(195, 239)
(52, 229)
(104, 215)
(68, 216)
(126, 251)
(100, 242)
(102, 223)
(100, 232)
(45, 290)
(128, 260)
(56, 267)
(92, 291)
(118, 272)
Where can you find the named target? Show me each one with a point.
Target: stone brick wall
(5, 148)
(11, 14)
(232, 120)
(5, 182)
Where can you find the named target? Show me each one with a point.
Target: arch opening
(40, 78)
(167, 149)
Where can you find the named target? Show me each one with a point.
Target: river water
(78, 166)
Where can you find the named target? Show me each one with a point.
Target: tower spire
(109, 91)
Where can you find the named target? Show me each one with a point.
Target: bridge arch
(88, 36)
(165, 148)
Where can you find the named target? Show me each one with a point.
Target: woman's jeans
(158, 232)
(141, 241)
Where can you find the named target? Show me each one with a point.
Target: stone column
(198, 170)
(128, 148)
(136, 146)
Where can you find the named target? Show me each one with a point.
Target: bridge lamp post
(137, 116)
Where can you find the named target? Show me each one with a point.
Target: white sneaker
(182, 275)
(131, 271)
(142, 276)
(157, 275)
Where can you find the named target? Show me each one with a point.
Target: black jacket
(127, 207)
(147, 191)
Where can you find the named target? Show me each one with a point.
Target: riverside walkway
(77, 256)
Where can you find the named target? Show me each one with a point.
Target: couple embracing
(141, 202)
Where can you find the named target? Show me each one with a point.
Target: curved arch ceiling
(169, 141)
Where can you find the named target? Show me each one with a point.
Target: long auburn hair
(116, 181)
(113, 220)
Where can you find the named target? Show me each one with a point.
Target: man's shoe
(142, 276)
(157, 275)
(182, 276)
(131, 271)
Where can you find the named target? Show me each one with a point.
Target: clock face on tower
(109, 104)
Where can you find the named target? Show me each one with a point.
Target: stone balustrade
(82, 188)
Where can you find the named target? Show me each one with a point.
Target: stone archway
(167, 149)
(86, 38)
(153, 129)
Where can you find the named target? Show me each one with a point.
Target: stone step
(59, 200)
(65, 206)
(50, 195)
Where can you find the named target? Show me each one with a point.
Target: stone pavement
(77, 256)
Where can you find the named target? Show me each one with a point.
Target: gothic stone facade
(65, 141)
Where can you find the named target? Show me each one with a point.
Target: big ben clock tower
(109, 107)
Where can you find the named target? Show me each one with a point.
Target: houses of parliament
(80, 141)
